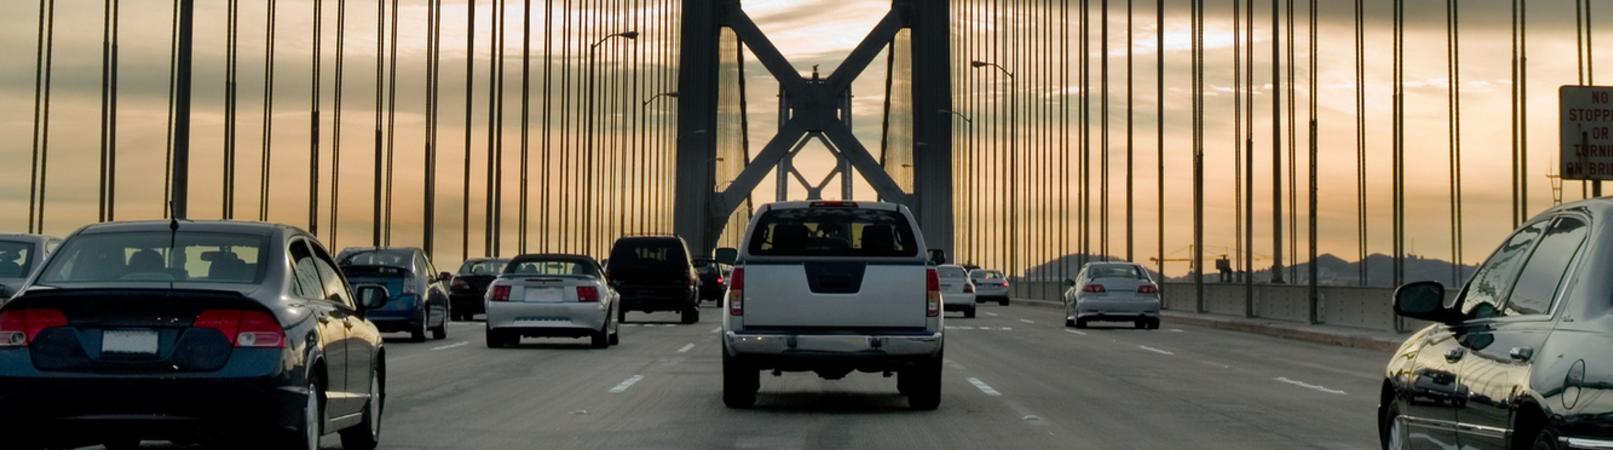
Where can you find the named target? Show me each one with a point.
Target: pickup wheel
(739, 383)
(922, 385)
(691, 315)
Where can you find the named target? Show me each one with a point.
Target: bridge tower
(815, 110)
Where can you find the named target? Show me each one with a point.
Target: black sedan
(1518, 358)
(228, 333)
(469, 287)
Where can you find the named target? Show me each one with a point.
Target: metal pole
(470, 100)
(1276, 147)
(181, 178)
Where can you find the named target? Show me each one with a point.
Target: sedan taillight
(968, 288)
(250, 329)
(1093, 289)
(459, 283)
(499, 294)
(586, 294)
(1148, 289)
(18, 327)
(736, 292)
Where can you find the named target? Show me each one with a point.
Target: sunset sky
(808, 32)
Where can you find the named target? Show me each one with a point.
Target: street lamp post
(969, 166)
(588, 173)
(643, 123)
(1013, 161)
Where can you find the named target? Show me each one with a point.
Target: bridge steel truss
(816, 108)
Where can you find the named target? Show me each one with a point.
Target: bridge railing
(1357, 307)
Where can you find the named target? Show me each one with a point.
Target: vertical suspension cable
(433, 82)
(112, 119)
(379, 180)
(265, 166)
(565, 238)
(1239, 41)
(1361, 145)
(1159, 128)
(1103, 130)
(526, 121)
(391, 122)
(1454, 74)
(1198, 155)
(1293, 148)
(232, 51)
(44, 49)
(106, 76)
(470, 105)
(495, 129)
(1086, 133)
(1399, 141)
(336, 122)
(168, 155)
(544, 221)
(1130, 154)
(313, 148)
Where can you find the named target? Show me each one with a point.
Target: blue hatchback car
(419, 294)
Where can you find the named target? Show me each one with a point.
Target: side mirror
(371, 296)
(938, 256)
(1424, 300)
(1069, 282)
(445, 277)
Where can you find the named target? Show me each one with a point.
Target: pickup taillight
(736, 292)
(932, 293)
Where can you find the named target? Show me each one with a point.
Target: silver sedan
(552, 296)
(1112, 291)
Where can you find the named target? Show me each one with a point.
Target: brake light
(586, 294)
(408, 286)
(932, 293)
(1148, 289)
(499, 294)
(968, 288)
(736, 292)
(1093, 289)
(719, 280)
(19, 327)
(1005, 284)
(833, 204)
(459, 283)
(244, 329)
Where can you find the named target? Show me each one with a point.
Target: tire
(1140, 324)
(1391, 434)
(419, 333)
(121, 444)
(621, 316)
(441, 332)
(616, 338)
(494, 340)
(691, 315)
(312, 426)
(601, 338)
(739, 383)
(367, 434)
(1003, 302)
(1546, 439)
(1069, 322)
(923, 385)
(969, 313)
(1153, 324)
(1080, 323)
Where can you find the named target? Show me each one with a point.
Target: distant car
(232, 333)
(654, 273)
(1112, 291)
(549, 295)
(713, 279)
(419, 302)
(1519, 357)
(469, 287)
(957, 292)
(20, 255)
(833, 288)
(990, 286)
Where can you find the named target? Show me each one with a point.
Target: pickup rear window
(842, 232)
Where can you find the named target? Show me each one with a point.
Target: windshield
(551, 267)
(148, 256)
(1116, 271)
(483, 267)
(393, 258)
(846, 232)
(16, 258)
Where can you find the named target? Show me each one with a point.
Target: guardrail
(1357, 307)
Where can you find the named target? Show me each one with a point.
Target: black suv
(713, 279)
(654, 273)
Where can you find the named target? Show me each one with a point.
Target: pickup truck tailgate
(852, 294)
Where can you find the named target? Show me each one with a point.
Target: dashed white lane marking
(626, 384)
(1077, 333)
(986, 388)
(716, 330)
(1310, 386)
(953, 364)
(1007, 329)
(1216, 364)
(1155, 350)
(1176, 330)
(685, 348)
(456, 344)
(1027, 321)
(989, 313)
(629, 325)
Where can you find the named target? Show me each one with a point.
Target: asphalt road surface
(1015, 377)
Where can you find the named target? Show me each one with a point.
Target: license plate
(134, 342)
(544, 294)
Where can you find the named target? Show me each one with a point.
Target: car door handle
(1522, 354)
(1454, 355)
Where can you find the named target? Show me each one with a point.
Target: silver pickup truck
(831, 288)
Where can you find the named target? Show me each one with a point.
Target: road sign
(1587, 147)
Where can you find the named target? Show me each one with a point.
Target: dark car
(1517, 359)
(20, 255)
(419, 302)
(713, 279)
(654, 273)
(469, 287)
(231, 333)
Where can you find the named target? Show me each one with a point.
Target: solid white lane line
(1027, 321)
(456, 344)
(989, 313)
(685, 348)
(1310, 386)
(1155, 350)
(626, 384)
(1077, 333)
(986, 388)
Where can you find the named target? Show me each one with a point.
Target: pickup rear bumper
(820, 346)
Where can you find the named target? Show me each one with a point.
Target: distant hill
(1331, 270)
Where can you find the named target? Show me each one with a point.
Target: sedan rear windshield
(551, 267)
(16, 259)
(952, 272)
(483, 267)
(1116, 271)
(158, 256)
(392, 258)
(834, 232)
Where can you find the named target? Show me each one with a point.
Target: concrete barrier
(1355, 307)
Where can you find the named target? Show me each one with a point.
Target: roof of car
(232, 226)
(561, 256)
(35, 238)
(833, 203)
